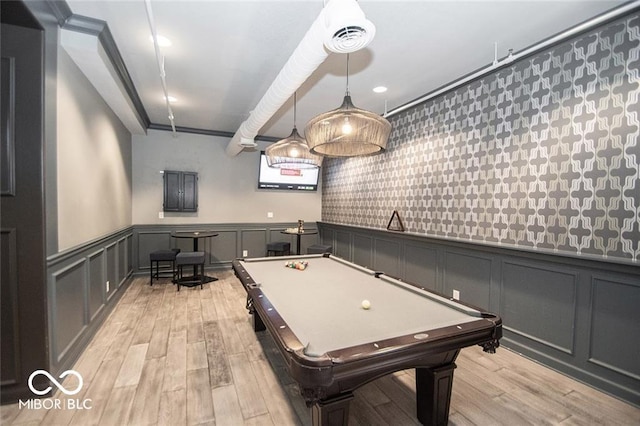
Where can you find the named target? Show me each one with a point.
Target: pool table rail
(266, 317)
(327, 380)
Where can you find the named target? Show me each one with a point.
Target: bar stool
(160, 256)
(279, 248)
(191, 258)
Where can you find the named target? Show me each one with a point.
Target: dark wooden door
(22, 236)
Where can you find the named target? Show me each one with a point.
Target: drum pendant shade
(347, 132)
(292, 152)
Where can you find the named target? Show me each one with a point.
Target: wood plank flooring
(192, 358)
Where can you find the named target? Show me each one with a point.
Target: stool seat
(163, 255)
(190, 258)
(319, 249)
(158, 256)
(279, 248)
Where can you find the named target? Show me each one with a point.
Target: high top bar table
(298, 235)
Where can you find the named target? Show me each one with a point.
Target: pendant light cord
(294, 109)
(348, 94)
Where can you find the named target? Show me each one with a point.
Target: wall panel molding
(111, 256)
(421, 263)
(613, 322)
(572, 314)
(78, 303)
(223, 247)
(470, 273)
(96, 289)
(7, 120)
(123, 264)
(11, 349)
(386, 256)
(363, 250)
(67, 305)
(148, 241)
(543, 292)
(254, 241)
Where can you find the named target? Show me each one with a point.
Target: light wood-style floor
(191, 357)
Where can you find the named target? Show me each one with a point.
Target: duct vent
(347, 29)
(247, 143)
(349, 39)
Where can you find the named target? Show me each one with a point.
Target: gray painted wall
(93, 161)
(227, 185)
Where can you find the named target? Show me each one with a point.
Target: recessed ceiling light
(162, 41)
(171, 99)
(380, 89)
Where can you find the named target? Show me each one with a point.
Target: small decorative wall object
(395, 223)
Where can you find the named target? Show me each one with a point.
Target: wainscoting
(570, 313)
(232, 241)
(85, 282)
(83, 285)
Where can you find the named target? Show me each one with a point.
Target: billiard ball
(366, 304)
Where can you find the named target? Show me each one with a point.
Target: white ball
(366, 304)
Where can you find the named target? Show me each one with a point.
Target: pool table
(332, 344)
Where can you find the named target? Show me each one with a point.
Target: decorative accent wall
(542, 154)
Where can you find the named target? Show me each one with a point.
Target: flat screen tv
(288, 179)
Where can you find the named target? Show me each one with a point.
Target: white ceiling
(225, 54)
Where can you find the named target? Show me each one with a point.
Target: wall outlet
(456, 294)
(107, 286)
(245, 253)
(270, 215)
(160, 215)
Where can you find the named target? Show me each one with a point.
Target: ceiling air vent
(347, 29)
(247, 143)
(349, 39)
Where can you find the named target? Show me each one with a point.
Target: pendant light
(347, 131)
(292, 152)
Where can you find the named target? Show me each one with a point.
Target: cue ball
(366, 304)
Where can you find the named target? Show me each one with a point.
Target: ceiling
(225, 54)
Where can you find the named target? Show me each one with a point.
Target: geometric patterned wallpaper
(543, 154)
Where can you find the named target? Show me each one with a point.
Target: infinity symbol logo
(55, 382)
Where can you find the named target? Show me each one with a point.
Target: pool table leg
(258, 325)
(332, 412)
(433, 394)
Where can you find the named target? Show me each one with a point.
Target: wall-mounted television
(290, 179)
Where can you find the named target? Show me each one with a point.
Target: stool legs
(156, 275)
(193, 259)
(179, 274)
